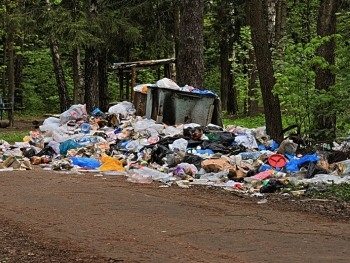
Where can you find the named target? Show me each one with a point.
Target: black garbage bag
(272, 186)
(215, 147)
(159, 154)
(29, 152)
(168, 140)
(226, 138)
(194, 143)
(313, 169)
(46, 151)
(193, 159)
(236, 149)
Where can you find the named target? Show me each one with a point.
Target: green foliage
(295, 77)
(302, 17)
(212, 80)
(242, 68)
(39, 82)
(340, 192)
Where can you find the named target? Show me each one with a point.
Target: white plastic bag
(122, 108)
(180, 144)
(75, 112)
(167, 83)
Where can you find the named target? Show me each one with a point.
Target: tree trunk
(91, 79)
(281, 19)
(325, 78)
(91, 66)
(253, 105)
(78, 81)
(265, 69)
(11, 77)
(4, 62)
(176, 8)
(225, 68)
(271, 20)
(60, 78)
(229, 32)
(18, 96)
(103, 81)
(190, 56)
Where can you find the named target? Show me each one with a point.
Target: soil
(65, 217)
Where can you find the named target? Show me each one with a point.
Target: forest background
(287, 60)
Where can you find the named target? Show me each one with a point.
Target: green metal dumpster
(172, 107)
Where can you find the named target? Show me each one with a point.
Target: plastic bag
(294, 162)
(75, 112)
(122, 108)
(86, 162)
(111, 164)
(142, 88)
(167, 83)
(50, 124)
(180, 144)
(67, 145)
(134, 146)
(184, 169)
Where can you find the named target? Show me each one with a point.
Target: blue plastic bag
(67, 145)
(86, 162)
(294, 163)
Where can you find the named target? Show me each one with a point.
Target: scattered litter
(145, 150)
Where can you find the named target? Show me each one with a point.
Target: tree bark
(4, 62)
(325, 78)
(78, 81)
(253, 105)
(281, 19)
(190, 56)
(225, 68)
(271, 20)
(18, 95)
(60, 78)
(271, 102)
(229, 32)
(103, 81)
(91, 79)
(11, 77)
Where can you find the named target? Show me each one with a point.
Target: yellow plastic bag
(111, 164)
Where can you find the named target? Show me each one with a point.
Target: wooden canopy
(128, 71)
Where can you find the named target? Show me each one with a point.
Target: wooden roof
(144, 63)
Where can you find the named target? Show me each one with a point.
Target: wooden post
(121, 83)
(127, 90)
(133, 83)
(167, 71)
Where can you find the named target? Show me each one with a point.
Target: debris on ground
(144, 150)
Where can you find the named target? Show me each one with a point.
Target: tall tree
(190, 56)
(52, 17)
(91, 65)
(60, 78)
(103, 80)
(228, 19)
(325, 78)
(262, 50)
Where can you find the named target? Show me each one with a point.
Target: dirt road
(52, 217)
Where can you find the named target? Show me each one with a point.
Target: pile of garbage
(120, 143)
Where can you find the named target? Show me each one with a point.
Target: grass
(340, 192)
(246, 122)
(14, 136)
